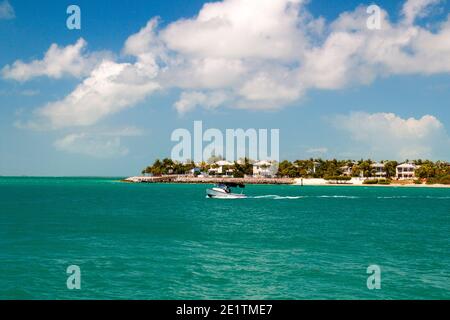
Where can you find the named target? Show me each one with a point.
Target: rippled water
(167, 241)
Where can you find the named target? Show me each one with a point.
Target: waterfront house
(406, 171)
(222, 167)
(263, 169)
(378, 169)
(347, 171)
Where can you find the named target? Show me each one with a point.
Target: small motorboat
(223, 191)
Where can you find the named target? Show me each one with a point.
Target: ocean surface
(167, 241)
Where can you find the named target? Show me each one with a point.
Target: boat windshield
(224, 187)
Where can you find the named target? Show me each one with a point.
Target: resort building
(406, 171)
(347, 171)
(222, 167)
(379, 170)
(263, 169)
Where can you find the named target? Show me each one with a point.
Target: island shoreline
(265, 181)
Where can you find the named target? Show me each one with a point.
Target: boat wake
(277, 197)
(412, 197)
(339, 196)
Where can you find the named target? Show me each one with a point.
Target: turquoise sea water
(167, 241)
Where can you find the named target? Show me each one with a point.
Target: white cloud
(242, 47)
(238, 29)
(267, 54)
(254, 54)
(328, 67)
(105, 144)
(353, 54)
(396, 49)
(413, 9)
(57, 62)
(255, 59)
(144, 41)
(110, 88)
(386, 135)
(6, 11)
(205, 73)
(270, 87)
(192, 99)
(264, 54)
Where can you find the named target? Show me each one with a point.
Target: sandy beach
(357, 182)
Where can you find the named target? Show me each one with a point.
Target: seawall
(207, 180)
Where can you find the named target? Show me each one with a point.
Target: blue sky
(309, 69)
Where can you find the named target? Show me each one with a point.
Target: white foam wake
(338, 196)
(277, 197)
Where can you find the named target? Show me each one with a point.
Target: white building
(379, 170)
(222, 167)
(263, 169)
(406, 171)
(347, 170)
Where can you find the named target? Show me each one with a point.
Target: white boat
(223, 191)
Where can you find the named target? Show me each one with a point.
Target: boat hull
(210, 193)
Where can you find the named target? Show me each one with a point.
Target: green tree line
(432, 172)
